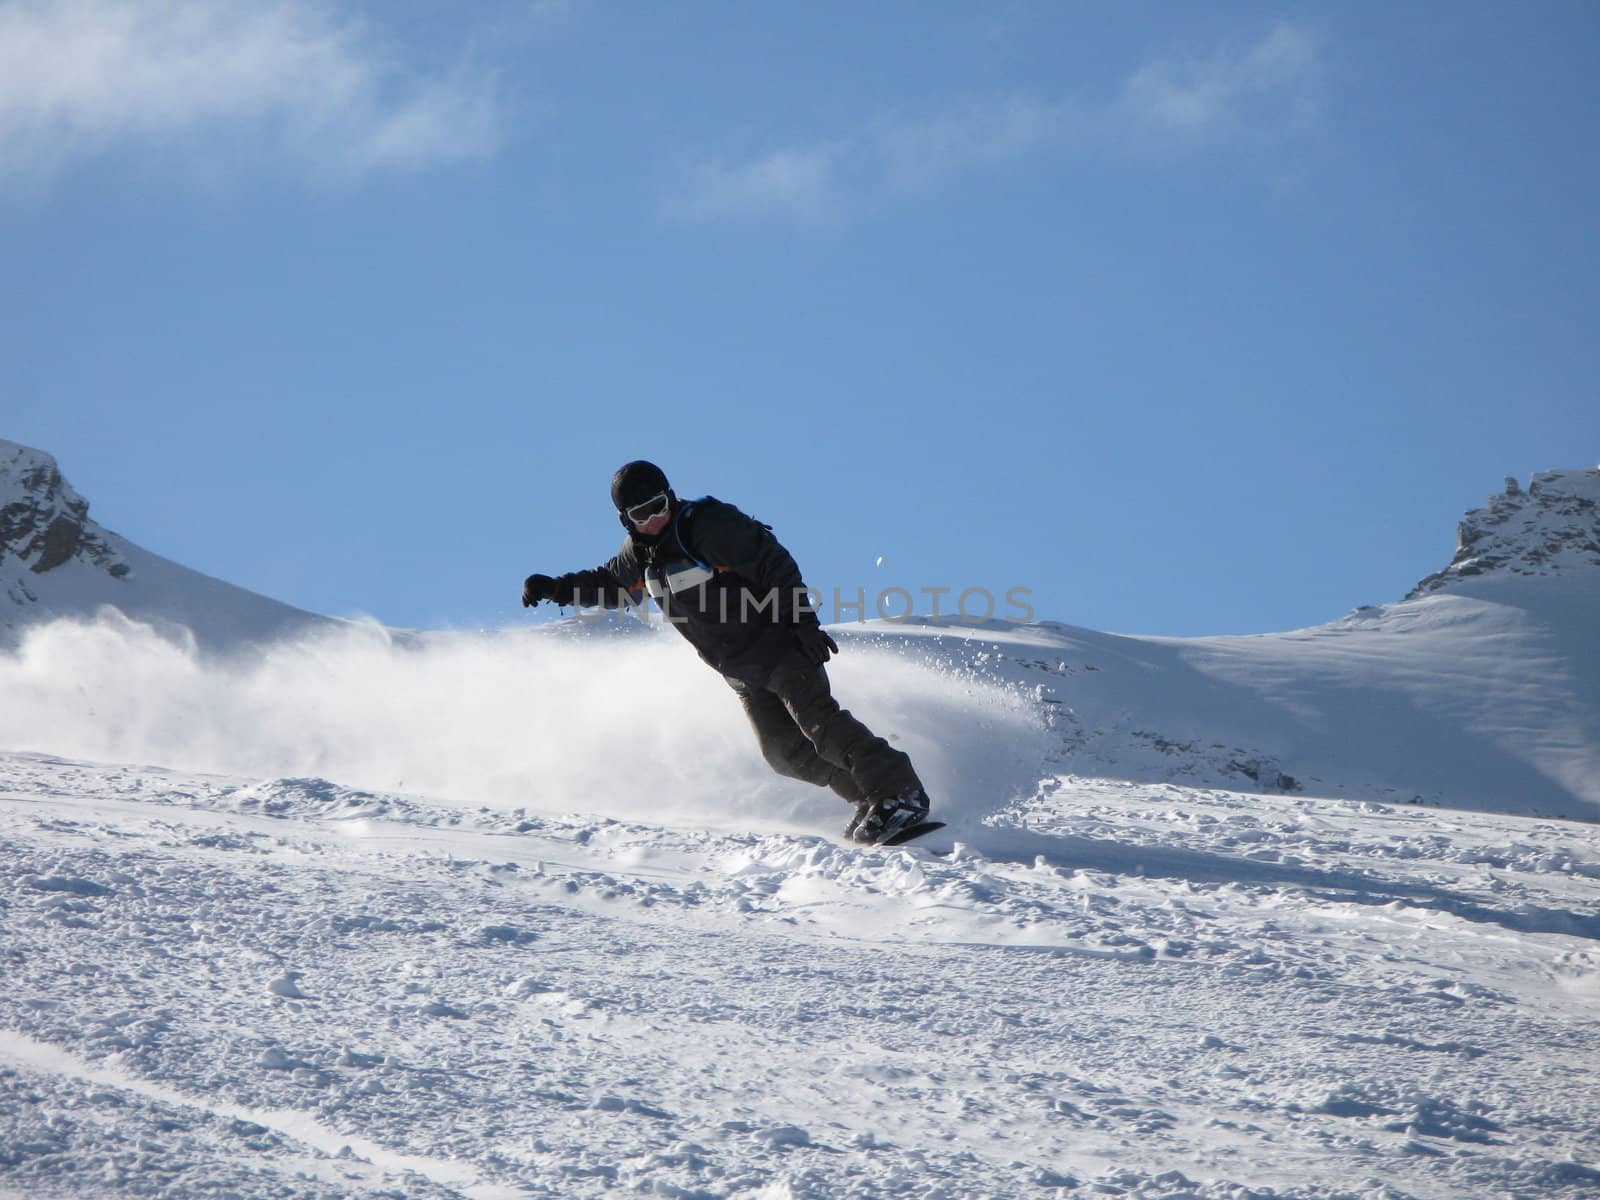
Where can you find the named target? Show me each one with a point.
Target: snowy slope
(1489, 700)
(221, 986)
(56, 562)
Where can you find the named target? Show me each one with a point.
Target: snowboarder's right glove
(536, 588)
(815, 643)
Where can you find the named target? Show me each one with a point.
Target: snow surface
(335, 912)
(1136, 990)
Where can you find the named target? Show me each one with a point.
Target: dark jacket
(720, 578)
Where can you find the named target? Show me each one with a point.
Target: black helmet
(636, 482)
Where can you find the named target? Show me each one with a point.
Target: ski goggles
(649, 509)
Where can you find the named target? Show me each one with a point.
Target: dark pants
(804, 734)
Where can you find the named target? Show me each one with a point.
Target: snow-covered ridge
(1551, 528)
(57, 562)
(43, 521)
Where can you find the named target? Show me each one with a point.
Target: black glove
(815, 643)
(536, 588)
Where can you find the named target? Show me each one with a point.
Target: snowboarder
(730, 588)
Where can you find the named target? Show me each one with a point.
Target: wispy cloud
(916, 154)
(890, 156)
(1267, 89)
(800, 184)
(286, 81)
(1258, 91)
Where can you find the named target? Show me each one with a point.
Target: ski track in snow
(219, 986)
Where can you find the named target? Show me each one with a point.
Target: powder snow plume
(626, 727)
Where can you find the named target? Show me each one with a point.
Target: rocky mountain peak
(1551, 527)
(55, 562)
(44, 523)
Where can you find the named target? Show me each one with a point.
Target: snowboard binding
(889, 821)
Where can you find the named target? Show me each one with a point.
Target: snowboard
(910, 833)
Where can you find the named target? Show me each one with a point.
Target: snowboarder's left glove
(536, 588)
(815, 643)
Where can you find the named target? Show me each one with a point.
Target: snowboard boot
(876, 820)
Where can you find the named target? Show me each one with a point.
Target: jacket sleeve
(728, 540)
(617, 582)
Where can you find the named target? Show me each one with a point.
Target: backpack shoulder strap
(684, 510)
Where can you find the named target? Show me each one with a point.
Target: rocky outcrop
(57, 563)
(1551, 528)
(44, 523)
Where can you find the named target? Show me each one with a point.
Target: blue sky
(1190, 318)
